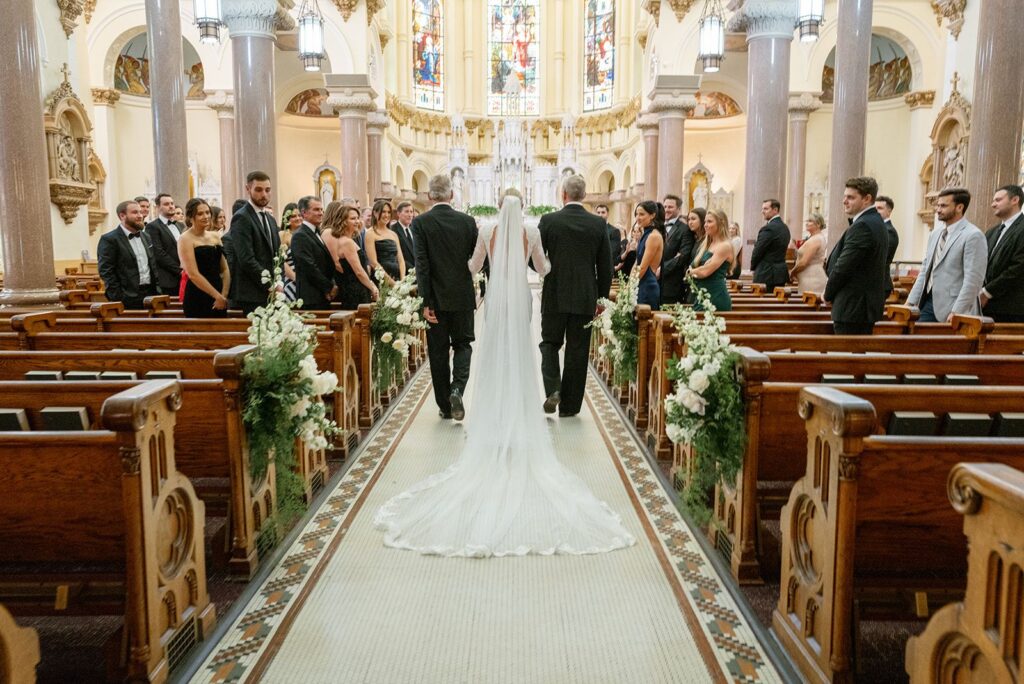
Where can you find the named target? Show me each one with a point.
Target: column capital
(222, 102)
(802, 104)
(260, 18)
(920, 98)
(350, 94)
(766, 19)
(376, 122)
(105, 97)
(674, 95)
(648, 123)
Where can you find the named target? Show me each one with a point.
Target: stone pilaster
(167, 98)
(352, 99)
(648, 125)
(801, 105)
(376, 123)
(672, 99)
(104, 101)
(223, 103)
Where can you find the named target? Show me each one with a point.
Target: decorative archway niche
(326, 183)
(697, 187)
(97, 205)
(68, 138)
(951, 136)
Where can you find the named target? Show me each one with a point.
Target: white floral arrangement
(284, 390)
(395, 319)
(617, 325)
(705, 408)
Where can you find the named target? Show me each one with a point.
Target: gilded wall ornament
(680, 7)
(372, 7)
(953, 11)
(68, 137)
(70, 10)
(346, 7)
(653, 8)
(920, 98)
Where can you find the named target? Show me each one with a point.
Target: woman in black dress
(382, 250)
(202, 258)
(340, 225)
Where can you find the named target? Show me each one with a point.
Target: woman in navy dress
(650, 218)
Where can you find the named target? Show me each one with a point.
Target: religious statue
(458, 188)
(326, 191)
(952, 168)
(68, 166)
(196, 80)
(700, 196)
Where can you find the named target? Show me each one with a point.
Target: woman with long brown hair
(202, 258)
(382, 247)
(712, 261)
(340, 225)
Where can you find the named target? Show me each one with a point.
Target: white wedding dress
(507, 494)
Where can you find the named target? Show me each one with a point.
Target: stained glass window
(513, 33)
(428, 53)
(598, 54)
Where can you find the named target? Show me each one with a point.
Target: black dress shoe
(551, 403)
(445, 415)
(458, 409)
(562, 414)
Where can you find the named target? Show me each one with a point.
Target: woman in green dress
(713, 260)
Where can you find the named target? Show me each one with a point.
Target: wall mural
(714, 105)
(599, 55)
(428, 54)
(513, 31)
(131, 71)
(311, 102)
(891, 74)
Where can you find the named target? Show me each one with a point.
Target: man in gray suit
(954, 267)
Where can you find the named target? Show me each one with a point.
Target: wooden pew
(980, 640)
(866, 531)
(103, 522)
(19, 651)
(771, 385)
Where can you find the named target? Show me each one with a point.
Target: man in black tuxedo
(314, 266)
(445, 240)
(254, 245)
(615, 241)
(856, 266)
(1002, 297)
(885, 205)
(576, 244)
(163, 234)
(403, 229)
(126, 261)
(768, 260)
(679, 244)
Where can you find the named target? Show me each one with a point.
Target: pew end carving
(19, 651)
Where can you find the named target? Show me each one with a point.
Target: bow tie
(132, 236)
(849, 221)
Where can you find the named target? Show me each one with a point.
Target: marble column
(103, 131)
(230, 186)
(352, 99)
(672, 99)
(800, 107)
(850, 112)
(376, 122)
(252, 25)
(24, 201)
(769, 27)
(167, 98)
(993, 155)
(648, 125)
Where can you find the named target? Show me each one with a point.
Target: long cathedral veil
(507, 494)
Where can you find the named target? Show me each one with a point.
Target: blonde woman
(339, 228)
(381, 243)
(713, 260)
(809, 270)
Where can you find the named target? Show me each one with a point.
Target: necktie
(266, 226)
(999, 238)
(939, 251)
(132, 236)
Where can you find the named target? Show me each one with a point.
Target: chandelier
(208, 21)
(311, 35)
(712, 36)
(812, 14)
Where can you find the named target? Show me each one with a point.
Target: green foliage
(395, 318)
(617, 323)
(540, 209)
(482, 210)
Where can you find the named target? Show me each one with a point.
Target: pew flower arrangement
(283, 390)
(395, 320)
(705, 409)
(618, 327)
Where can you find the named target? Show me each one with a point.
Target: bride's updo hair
(511, 192)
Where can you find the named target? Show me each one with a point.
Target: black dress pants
(450, 372)
(853, 328)
(557, 329)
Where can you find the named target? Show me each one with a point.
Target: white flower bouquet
(396, 318)
(617, 326)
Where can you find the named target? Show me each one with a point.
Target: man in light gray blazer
(954, 268)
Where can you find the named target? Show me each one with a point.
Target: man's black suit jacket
(615, 243)
(576, 243)
(675, 261)
(405, 242)
(165, 250)
(118, 267)
(893, 242)
(768, 260)
(253, 251)
(314, 269)
(1004, 277)
(445, 240)
(856, 270)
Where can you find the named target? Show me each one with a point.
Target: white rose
(403, 319)
(398, 344)
(386, 337)
(687, 363)
(674, 432)
(299, 407)
(699, 381)
(693, 402)
(603, 350)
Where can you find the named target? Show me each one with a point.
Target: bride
(507, 494)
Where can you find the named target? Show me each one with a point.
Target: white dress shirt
(171, 226)
(1006, 227)
(141, 258)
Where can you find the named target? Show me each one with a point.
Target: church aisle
(341, 607)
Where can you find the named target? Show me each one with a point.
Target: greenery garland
(482, 210)
(395, 318)
(706, 408)
(540, 209)
(283, 390)
(617, 323)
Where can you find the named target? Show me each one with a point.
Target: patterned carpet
(341, 607)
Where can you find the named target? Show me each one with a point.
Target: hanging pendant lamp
(311, 35)
(208, 21)
(712, 36)
(812, 14)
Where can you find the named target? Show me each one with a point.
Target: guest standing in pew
(314, 263)
(144, 203)
(1002, 297)
(381, 244)
(202, 258)
(219, 219)
(290, 222)
(679, 243)
(768, 260)
(615, 241)
(809, 269)
(954, 265)
(736, 238)
(627, 260)
(163, 233)
(254, 245)
(714, 262)
(403, 229)
(856, 266)
(650, 217)
(885, 205)
(125, 259)
(340, 227)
